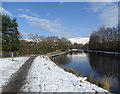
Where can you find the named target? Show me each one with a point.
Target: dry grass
(101, 82)
(104, 83)
(70, 70)
(73, 72)
(91, 78)
(58, 64)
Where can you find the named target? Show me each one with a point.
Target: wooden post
(17, 53)
(12, 55)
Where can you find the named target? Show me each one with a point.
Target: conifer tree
(10, 34)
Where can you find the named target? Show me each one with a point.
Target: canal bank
(57, 53)
(101, 52)
(45, 76)
(100, 67)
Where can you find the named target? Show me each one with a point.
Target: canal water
(99, 66)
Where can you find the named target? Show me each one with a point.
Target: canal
(99, 66)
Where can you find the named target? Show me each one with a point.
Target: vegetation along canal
(99, 67)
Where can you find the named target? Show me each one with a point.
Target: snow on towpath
(8, 68)
(45, 76)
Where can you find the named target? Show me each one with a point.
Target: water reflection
(61, 59)
(105, 65)
(77, 57)
(99, 65)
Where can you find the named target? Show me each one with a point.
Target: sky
(62, 19)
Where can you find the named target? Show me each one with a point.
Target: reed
(103, 82)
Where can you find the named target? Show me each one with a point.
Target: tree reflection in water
(106, 66)
(61, 59)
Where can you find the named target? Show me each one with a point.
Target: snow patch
(81, 40)
(45, 76)
(8, 68)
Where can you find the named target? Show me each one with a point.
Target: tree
(10, 34)
(107, 39)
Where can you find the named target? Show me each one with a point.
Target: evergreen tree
(14, 35)
(10, 34)
(5, 33)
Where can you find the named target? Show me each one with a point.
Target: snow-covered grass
(8, 67)
(45, 76)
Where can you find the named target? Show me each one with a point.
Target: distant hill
(79, 40)
(28, 40)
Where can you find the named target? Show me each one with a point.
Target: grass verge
(101, 82)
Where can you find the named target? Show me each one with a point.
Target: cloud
(107, 13)
(4, 12)
(44, 24)
(27, 11)
(23, 10)
(35, 15)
